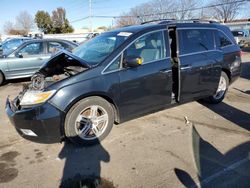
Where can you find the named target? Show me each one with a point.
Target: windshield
(11, 45)
(97, 49)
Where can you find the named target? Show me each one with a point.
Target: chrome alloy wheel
(222, 87)
(91, 122)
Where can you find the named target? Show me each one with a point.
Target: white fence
(78, 37)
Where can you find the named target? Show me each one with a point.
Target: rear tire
(1, 78)
(221, 91)
(89, 121)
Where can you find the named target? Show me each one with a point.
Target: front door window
(32, 49)
(150, 47)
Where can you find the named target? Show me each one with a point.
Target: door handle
(185, 67)
(166, 70)
(39, 58)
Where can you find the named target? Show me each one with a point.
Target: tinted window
(196, 40)
(223, 40)
(32, 49)
(149, 47)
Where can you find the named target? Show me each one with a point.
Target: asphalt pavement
(191, 145)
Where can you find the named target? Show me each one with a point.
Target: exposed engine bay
(63, 65)
(39, 81)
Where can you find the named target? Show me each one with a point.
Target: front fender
(67, 96)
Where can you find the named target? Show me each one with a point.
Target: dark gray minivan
(123, 74)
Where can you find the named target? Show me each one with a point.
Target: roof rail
(165, 21)
(193, 21)
(160, 20)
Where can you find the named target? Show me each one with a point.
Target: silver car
(29, 57)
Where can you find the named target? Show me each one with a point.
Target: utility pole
(90, 16)
(201, 13)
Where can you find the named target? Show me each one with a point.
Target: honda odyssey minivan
(123, 74)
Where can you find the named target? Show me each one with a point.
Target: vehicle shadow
(16, 81)
(215, 169)
(245, 70)
(230, 113)
(242, 91)
(83, 166)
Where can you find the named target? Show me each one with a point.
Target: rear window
(195, 40)
(238, 33)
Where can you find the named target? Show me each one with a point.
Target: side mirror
(19, 55)
(132, 61)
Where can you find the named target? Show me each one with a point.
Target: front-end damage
(60, 67)
(33, 117)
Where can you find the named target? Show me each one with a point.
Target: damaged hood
(57, 63)
(61, 66)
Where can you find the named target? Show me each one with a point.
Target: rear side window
(223, 40)
(195, 40)
(53, 47)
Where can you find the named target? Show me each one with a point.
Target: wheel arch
(2, 73)
(228, 73)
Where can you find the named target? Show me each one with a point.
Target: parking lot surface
(192, 145)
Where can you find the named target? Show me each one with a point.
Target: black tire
(1, 78)
(72, 115)
(215, 100)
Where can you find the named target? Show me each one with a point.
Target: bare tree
(126, 19)
(58, 17)
(59, 22)
(8, 26)
(24, 21)
(226, 11)
(185, 9)
(157, 10)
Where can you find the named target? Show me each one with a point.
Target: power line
(190, 9)
(80, 19)
(162, 13)
(90, 16)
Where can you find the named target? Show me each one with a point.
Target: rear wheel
(221, 90)
(89, 121)
(1, 78)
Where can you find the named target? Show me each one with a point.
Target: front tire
(221, 90)
(89, 121)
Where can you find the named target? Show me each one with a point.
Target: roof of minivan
(138, 28)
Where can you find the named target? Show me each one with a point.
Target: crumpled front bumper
(41, 123)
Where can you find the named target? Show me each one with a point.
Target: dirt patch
(9, 156)
(7, 161)
(39, 155)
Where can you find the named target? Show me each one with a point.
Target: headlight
(36, 97)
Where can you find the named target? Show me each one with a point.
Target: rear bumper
(43, 122)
